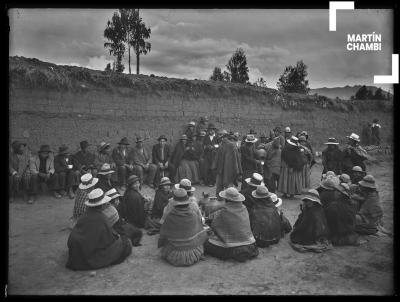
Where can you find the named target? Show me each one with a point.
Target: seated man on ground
(232, 237)
(42, 171)
(67, 177)
(134, 206)
(19, 171)
(105, 175)
(143, 167)
(310, 231)
(84, 160)
(121, 159)
(163, 194)
(182, 234)
(93, 243)
(265, 219)
(87, 184)
(118, 223)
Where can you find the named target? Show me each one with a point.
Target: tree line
(364, 93)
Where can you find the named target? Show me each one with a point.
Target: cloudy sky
(190, 43)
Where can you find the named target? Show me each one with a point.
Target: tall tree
(237, 67)
(108, 67)
(217, 75)
(115, 33)
(361, 93)
(379, 95)
(140, 34)
(293, 79)
(227, 76)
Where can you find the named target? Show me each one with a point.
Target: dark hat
(139, 139)
(162, 137)
(16, 144)
(368, 181)
(232, 194)
(63, 149)
(45, 149)
(211, 126)
(84, 144)
(277, 129)
(180, 195)
(132, 179)
(124, 141)
(165, 181)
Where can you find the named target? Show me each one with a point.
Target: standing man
(199, 148)
(210, 150)
(227, 164)
(161, 154)
(67, 177)
(142, 163)
(84, 160)
(248, 157)
(19, 170)
(190, 130)
(353, 154)
(42, 170)
(332, 157)
(277, 133)
(287, 135)
(375, 133)
(121, 159)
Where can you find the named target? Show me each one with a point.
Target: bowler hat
(124, 141)
(63, 149)
(132, 179)
(45, 149)
(211, 126)
(162, 137)
(84, 144)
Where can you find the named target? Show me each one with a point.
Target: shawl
(232, 226)
(131, 208)
(111, 213)
(371, 210)
(160, 202)
(93, 243)
(265, 220)
(310, 227)
(227, 163)
(291, 155)
(327, 196)
(183, 229)
(341, 216)
(171, 204)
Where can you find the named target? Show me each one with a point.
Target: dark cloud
(190, 43)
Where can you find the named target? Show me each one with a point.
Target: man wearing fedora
(190, 130)
(161, 154)
(19, 173)
(120, 155)
(210, 150)
(42, 170)
(332, 157)
(353, 154)
(248, 156)
(84, 160)
(67, 177)
(142, 163)
(105, 175)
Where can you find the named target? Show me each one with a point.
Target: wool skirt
(305, 176)
(239, 253)
(290, 182)
(188, 169)
(179, 257)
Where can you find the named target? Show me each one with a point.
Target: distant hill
(343, 93)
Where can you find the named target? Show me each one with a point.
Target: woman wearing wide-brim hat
(265, 219)
(290, 179)
(182, 234)
(105, 174)
(232, 237)
(310, 231)
(92, 243)
(328, 190)
(369, 216)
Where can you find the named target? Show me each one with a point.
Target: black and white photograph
(201, 151)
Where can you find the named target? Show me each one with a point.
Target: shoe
(71, 194)
(63, 193)
(56, 194)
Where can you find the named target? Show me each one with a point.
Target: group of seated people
(106, 225)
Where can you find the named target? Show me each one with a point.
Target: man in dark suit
(84, 160)
(120, 155)
(210, 150)
(161, 154)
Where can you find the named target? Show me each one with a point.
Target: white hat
(250, 138)
(292, 141)
(287, 129)
(113, 193)
(255, 180)
(277, 201)
(185, 184)
(192, 123)
(354, 137)
(87, 181)
(97, 198)
(105, 169)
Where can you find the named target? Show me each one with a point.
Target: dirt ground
(38, 253)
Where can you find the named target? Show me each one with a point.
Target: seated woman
(265, 219)
(104, 176)
(251, 184)
(232, 237)
(93, 243)
(369, 217)
(188, 166)
(341, 217)
(161, 199)
(118, 223)
(310, 231)
(182, 234)
(327, 190)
